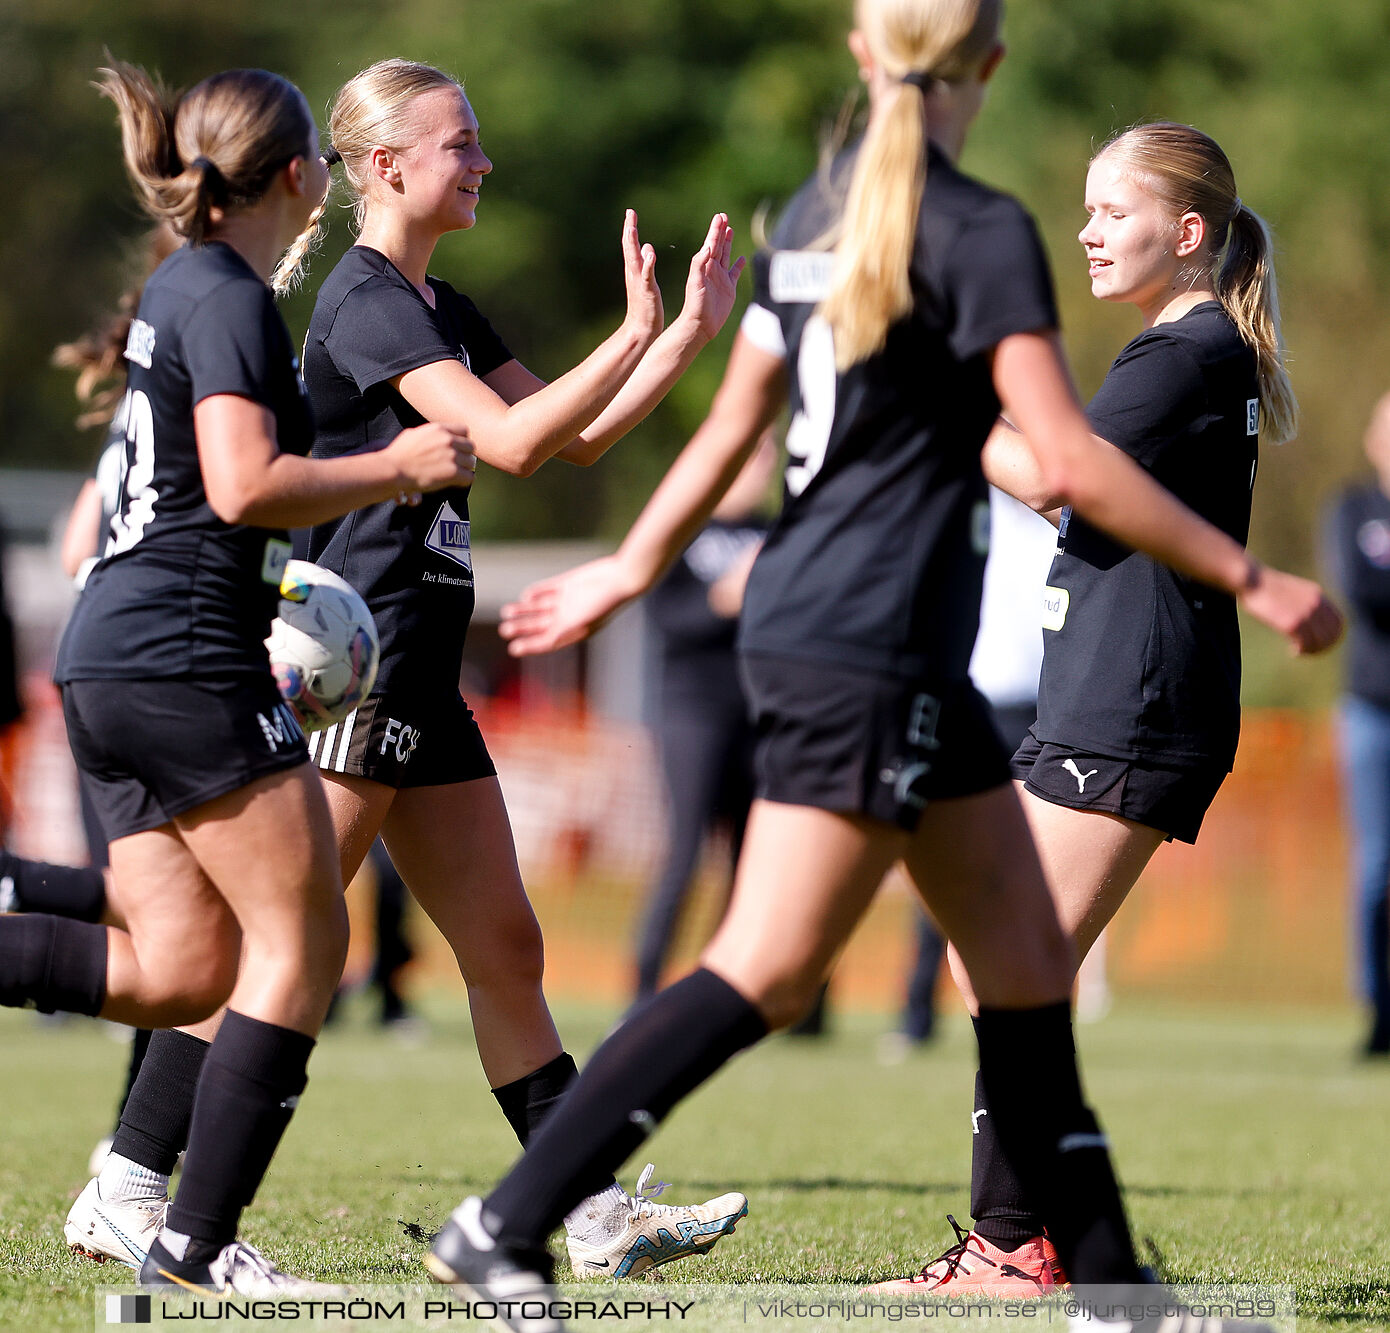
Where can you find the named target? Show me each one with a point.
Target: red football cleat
(976, 1266)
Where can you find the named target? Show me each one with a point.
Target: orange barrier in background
(1256, 912)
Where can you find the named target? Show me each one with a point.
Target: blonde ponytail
(870, 289)
(289, 272)
(1245, 286)
(917, 43)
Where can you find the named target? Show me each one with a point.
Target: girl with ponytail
(389, 347)
(1139, 701)
(898, 312)
(221, 845)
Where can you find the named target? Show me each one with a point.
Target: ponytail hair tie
(919, 78)
(1236, 207)
(331, 156)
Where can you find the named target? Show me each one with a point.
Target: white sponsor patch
(800, 275)
(139, 343)
(1252, 416)
(277, 556)
(1056, 601)
(449, 537)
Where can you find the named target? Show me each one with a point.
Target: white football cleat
(237, 1269)
(647, 1234)
(103, 1229)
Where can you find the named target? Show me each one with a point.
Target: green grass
(1252, 1148)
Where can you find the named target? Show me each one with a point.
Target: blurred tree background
(681, 107)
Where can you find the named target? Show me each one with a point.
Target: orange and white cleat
(975, 1266)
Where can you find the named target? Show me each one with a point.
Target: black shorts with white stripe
(149, 750)
(401, 742)
(1172, 798)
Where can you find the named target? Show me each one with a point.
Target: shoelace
(239, 1258)
(643, 1202)
(954, 1255)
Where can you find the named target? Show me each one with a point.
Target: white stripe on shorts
(346, 743)
(323, 751)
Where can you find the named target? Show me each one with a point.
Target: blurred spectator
(701, 723)
(1358, 540)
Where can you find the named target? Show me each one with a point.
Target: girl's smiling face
(1131, 242)
(443, 168)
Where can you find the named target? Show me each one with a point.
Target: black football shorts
(857, 742)
(1173, 799)
(153, 749)
(405, 739)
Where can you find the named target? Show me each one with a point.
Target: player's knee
(511, 957)
(178, 1000)
(787, 1000)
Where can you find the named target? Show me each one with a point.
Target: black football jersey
(413, 564)
(178, 592)
(877, 559)
(1140, 662)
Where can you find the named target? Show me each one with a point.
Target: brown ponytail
(217, 146)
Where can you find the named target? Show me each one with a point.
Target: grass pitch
(1252, 1148)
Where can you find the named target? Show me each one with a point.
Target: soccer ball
(323, 645)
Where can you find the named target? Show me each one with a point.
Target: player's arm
(1012, 466)
(1112, 491)
(248, 480)
(82, 535)
(571, 606)
(517, 430)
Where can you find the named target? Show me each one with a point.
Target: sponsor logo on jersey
(400, 737)
(277, 556)
(1056, 602)
(1252, 416)
(800, 276)
(280, 728)
(139, 343)
(448, 536)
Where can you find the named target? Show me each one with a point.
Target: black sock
(528, 1100)
(251, 1081)
(52, 964)
(1047, 1132)
(76, 892)
(155, 1118)
(666, 1049)
(998, 1203)
(139, 1044)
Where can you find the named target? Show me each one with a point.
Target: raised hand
(645, 313)
(565, 609)
(1297, 608)
(712, 285)
(430, 457)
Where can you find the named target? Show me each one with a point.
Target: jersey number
(135, 507)
(808, 432)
